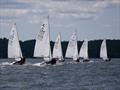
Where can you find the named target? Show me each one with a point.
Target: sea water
(96, 75)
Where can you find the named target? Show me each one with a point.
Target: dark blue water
(96, 75)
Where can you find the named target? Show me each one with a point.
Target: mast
(0, 34)
(20, 51)
(61, 46)
(76, 47)
(50, 56)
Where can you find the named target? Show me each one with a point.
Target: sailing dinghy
(57, 50)
(84, 51)
(72, 48)
(103, 51)
(42, 45)
(14, 50)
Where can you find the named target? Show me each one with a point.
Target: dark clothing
(77, 60)
(21, 62)
(52, 62)
(107, 60)
(86, 60)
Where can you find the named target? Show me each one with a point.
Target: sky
(92, 19)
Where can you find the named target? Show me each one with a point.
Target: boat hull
(86, 60)
(52, 61)
(107, 60)
(78, 60)
(21, 62)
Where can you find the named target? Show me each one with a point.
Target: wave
(26, 64)
(41, 64)
(6, 63)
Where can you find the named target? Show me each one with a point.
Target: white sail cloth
(84, 50)
(14, 50)
(57, 50)
(42, 45)
(103, 50)
(72, 49)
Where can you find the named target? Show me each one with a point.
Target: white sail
(57, 50)
(84, 50)
(14, 50)
(42, 45)
(103, 50)
(72, 49)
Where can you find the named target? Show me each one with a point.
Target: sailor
(107, 60)
(86, 60)
(78, 60)
(52, 62)
(21, 62)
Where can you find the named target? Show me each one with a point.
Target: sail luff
(86, 50)
(61, 47)
(50, 55)
(20, 51)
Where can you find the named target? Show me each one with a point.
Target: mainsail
(14, 50)
(103, 50)
(72, 49)
(57, 50)
(84, 50)
(42, 45)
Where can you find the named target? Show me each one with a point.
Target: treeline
(113, 47)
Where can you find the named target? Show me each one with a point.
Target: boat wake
(6, 63)
(26, 64)
(59, 63)
(41, 64)
(81, 62)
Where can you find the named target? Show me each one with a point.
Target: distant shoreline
(27, 46)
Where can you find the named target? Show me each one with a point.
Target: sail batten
(14, 49)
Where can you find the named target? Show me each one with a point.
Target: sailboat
(42, 45)
(84, 51)
(14, 50)
(72, 48)
(103, 51)
(57, 50)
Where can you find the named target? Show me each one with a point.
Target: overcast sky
(93, 19)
